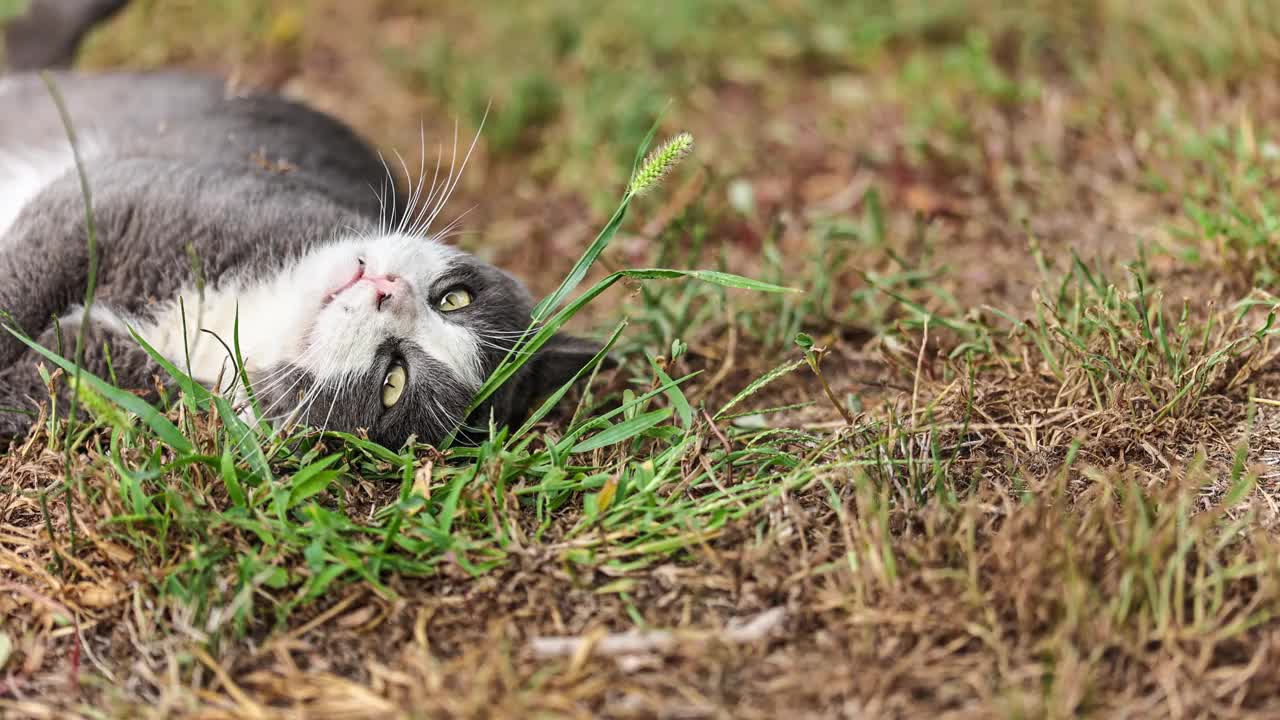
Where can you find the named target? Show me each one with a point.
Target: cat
(217, 211)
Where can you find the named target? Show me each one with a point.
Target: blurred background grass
(864, 150)
(574, 84)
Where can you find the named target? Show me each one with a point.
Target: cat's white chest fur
(201, 334)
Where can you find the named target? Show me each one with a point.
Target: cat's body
(212, 206)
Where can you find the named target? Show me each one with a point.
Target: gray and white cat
(348, 318)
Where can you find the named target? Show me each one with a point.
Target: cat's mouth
(356, 277)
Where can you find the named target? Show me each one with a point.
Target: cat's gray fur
(48, 34)
(179, 160)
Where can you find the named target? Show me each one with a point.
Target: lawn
(1011, 450)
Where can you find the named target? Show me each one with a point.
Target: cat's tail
(49, 33)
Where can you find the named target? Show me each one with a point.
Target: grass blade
(166, 431)
(623, 431)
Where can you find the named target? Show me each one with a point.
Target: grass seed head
(660, 162)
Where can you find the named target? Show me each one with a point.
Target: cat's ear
(560, 359)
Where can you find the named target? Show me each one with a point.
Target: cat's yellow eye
(393, 386)
(455, 300)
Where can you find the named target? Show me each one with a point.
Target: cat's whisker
(294, 418)
(435, 416)
(415, 186)
(444, 189)
(283, 425)
(454, 178)
(287, 422)
(422, 171)
(270, 437)
(513, 339)
(273, 424)
(463, 425)
(380, 194)
(394, 195)
(524, 331)
(412, 198)
(284, 396)
(342, 386)
(454, 420)
(422, 178)
(236, 380)
(357, 232)
(449, 423)
(417, 204)
(459, 233)
(444, 233)
(503, 348)
(272, 382)
(386, 216)
(451, 182)
(417, 229)
(260, 383)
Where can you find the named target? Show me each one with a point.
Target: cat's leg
(50, 32)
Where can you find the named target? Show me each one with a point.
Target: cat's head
(395, 333)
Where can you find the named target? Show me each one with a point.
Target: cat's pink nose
(385, 287)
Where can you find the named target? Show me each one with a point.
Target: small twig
(915, 386)
(324, 617)
(758, 627)
(724, 443)
(247, 705)
(814, 357)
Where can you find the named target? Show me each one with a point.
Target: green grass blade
(165, 430)
(759, 383)
(678, 401)
(605, 236)
(244, 439)
(505, 371)
(231, 479)
(623, 431)
(312, 479)
(554, 399)
(185, 382)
